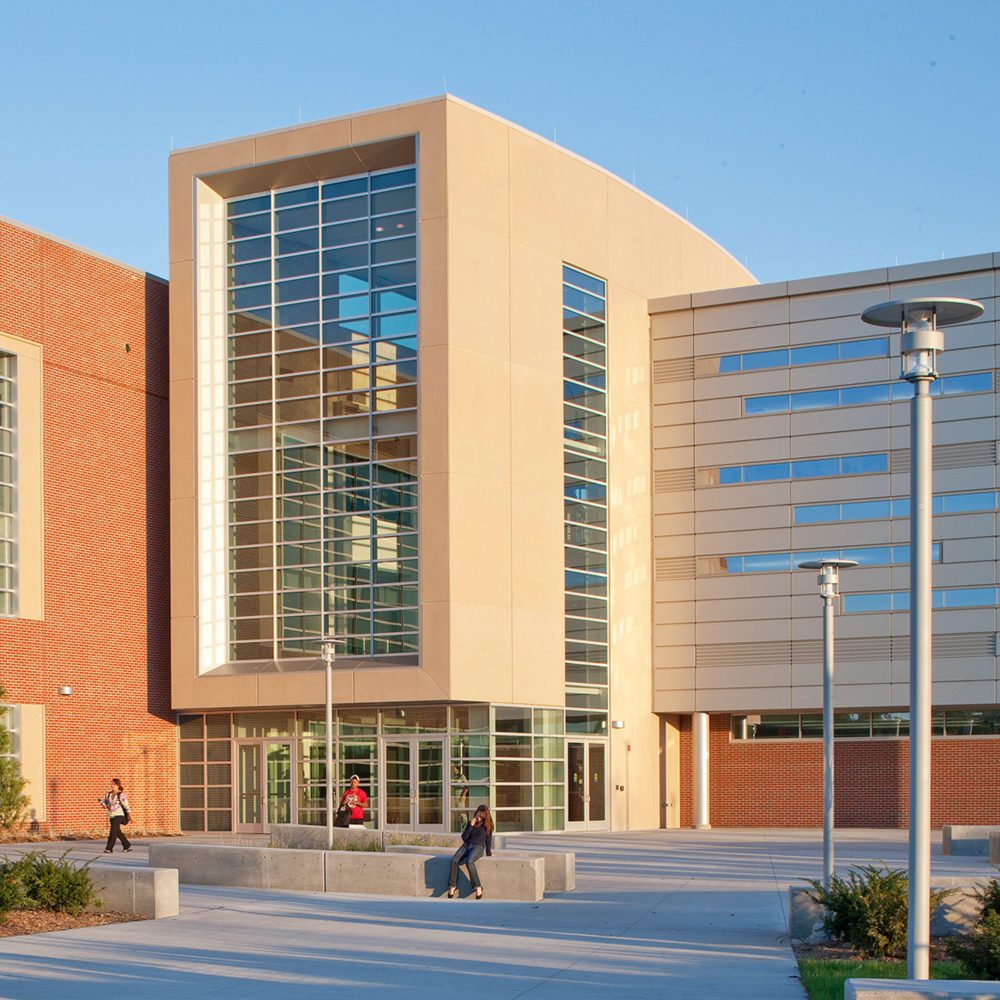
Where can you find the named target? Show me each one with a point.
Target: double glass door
(414, 787)
(263, 784)
(586, 787)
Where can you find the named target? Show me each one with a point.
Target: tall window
(585, 467)
(322, 396)
(8, 485)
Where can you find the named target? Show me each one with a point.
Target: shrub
(979, 950)
(50, 884)
(989, 897)
(11, 887)
(868, 909)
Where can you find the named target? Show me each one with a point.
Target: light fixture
(828, 579)
(920, 344)
(65, 689)
(617, 723)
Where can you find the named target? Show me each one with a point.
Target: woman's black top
(476, 836)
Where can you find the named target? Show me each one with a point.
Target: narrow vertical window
(8, 485)
(585, 482)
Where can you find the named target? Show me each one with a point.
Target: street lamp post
(827, 580)
(920, 320)
(328, 658)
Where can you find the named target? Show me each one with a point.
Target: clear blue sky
(806, 137)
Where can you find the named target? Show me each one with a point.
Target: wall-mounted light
(617, 723)
(65, 689)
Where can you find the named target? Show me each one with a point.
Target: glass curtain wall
(8, 485)
(585, 466)
(322, 418)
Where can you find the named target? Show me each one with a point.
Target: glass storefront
(423, 767)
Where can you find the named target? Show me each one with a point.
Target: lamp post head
(328, 649)
(829, 574)
(920, 321)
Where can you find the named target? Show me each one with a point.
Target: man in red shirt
(355, 799)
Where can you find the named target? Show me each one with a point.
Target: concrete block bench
(147, 892)
(955, 915)
(920, 989)
(995, 847)
(559, 867)
(363, 872)
(301, 835)
(966, 839)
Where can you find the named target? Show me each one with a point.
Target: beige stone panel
(673, 502)
(673, 392)
(979, 286)
(585, 217)
(813, 439)
(673, 657)
(435, 432)
(673, 679)
(672, 590)
(674, 701)
(535, 194)
(628, 237)
(482, 666)
(297, 688)
(479, 442)
(763, 450)
(972, 668)
(667, 527)
(182, 339)
(964, 407)
(733, 543)
(434, 289)
(806, 698)
(964, 693)
(674, 612)
(535, 305)
(630, 474)
(673, 436)
(775, 675)
(183, 658)
(802, 378)
(435, 643)
(536, 430)
(479, 545)
(478, 290)
(741, 316)
(399, 120)
(682, 634)
(302, 140)
(183, 563)
(478, 173)
(733, 431)
(432, 172)
(538, 673)
(958, 526)
(628, 346)
(711, 344)
(718, 409)
(775, 516)
(379, 686)
(673, 329)
(536, 546)
(743, 699)
(771, 626)
(863, 695)
(672, 348)
(836, 328)
(839, 422)
(961, 431)
(435, 577)
(682, 259)
(847, 303)
(183, 450)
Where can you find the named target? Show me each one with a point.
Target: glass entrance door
(586, 786)
(414, 786)
(263, 784)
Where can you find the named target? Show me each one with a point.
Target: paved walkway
(682, 915)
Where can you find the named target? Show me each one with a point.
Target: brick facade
(780, 783)
(105, 629)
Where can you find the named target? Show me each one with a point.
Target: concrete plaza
(670, 913)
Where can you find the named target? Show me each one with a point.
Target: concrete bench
(147, 892)
(302, 835)
(920, 989)
(559, 867)
(364, 872)
(966, 839)
(995, 847)
(956, 915)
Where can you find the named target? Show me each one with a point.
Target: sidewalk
(680, 914)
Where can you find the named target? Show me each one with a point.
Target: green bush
(36, 881)
(979, 950)
(989, 897)
(13, 802)
(868, 909)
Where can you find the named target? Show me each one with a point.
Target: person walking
(118, 815)
(477, 839)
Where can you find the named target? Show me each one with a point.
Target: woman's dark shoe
(128, 850)
(479, 892)
(451, 892)
(106, 851)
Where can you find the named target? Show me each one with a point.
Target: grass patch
(823, 978)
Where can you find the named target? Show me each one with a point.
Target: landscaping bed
(40, 921)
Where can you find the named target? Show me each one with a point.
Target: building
(84, 531)
(537, 454)
(381, 430)
(781, 434)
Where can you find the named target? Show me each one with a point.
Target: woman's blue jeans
(467, 856)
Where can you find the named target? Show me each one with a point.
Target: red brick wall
(781, 783)
(106, 507)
